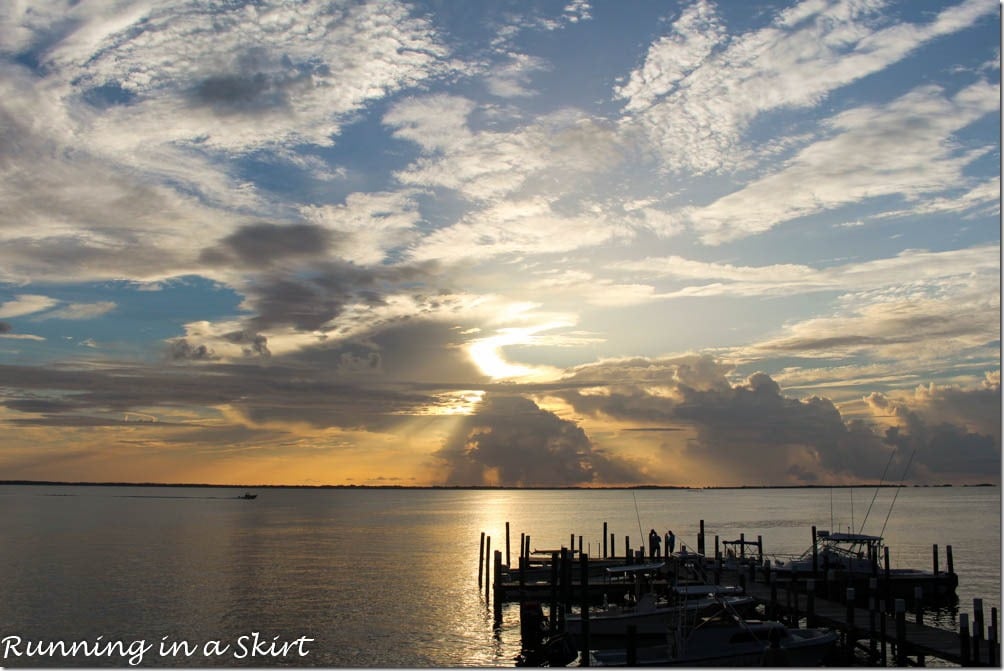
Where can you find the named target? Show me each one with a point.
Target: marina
(646, 607)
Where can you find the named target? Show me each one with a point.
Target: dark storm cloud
(259, 245)
(755, 433)
(941, 448)
(314, 296)
(512, 441)
(180, 349)
(253, 344)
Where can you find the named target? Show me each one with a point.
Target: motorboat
(728, 639)
(855, 557)
(248, 496)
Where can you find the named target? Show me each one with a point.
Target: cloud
(907, 324)
(75, 311)
(510, 441)
(258, 246)
(903, 148)
(698, 90)
(369, 227)
(26, 304)
(916, 267)
(251, 76)
(45, 307)
(512, 79)
(751, 432)
(941, 437)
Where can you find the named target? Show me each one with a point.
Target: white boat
(730, 640)
(649, 616)
(857, 556)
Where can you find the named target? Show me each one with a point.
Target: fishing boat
(854, 557)
(248, 496)
(652, 606)
(728, 639)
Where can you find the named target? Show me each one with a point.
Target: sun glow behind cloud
(380, 228)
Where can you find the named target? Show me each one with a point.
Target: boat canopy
(850, 538)
(635, 568)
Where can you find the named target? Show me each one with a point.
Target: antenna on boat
(868, 512)
(638, 515)
(909, 461)
(831, 506)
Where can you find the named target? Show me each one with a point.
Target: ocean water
(195, 577)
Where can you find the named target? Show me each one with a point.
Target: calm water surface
(388, 577)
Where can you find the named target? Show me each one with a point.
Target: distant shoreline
(476, 488)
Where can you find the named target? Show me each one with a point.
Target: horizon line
(475, 487)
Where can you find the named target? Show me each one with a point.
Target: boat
(652, 607)
(854, 557)
(248, 496)
(728, 639)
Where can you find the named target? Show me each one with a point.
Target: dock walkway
(856, 624)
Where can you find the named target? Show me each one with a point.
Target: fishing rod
(882, 480)
(905, 470)
(638, 515)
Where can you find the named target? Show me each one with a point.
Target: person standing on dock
(653, 544)
(670, 542)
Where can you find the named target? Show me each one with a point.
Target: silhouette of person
(670, 542)
(653, 544)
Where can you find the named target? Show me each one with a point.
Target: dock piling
(497, 596)
(900, 632)
(815, 556)
(632, 645)
(700, 539)
(948, 559)
(849, 635)
(488, 577)
(605, 540)
(554, 594)
(993, 640)
(977, 628)
(508, 555)
(481, 561)
(965, 648)
(584, 582)
(935, 553)
(810, 602)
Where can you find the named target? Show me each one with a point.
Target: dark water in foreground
(383, 577)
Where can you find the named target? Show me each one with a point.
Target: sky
(575, 243)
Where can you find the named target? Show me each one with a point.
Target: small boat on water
(727, 639)
(248, 496)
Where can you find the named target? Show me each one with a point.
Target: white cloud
(697, 92)
(910, 267)
(253, 76)
(512, 79)
(903, 148)
(26, 304)
(75, 311)
(372, 224)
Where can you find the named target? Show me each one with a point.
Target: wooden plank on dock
(920, 639)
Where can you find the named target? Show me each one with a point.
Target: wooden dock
(908, 642)
(877, 634)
